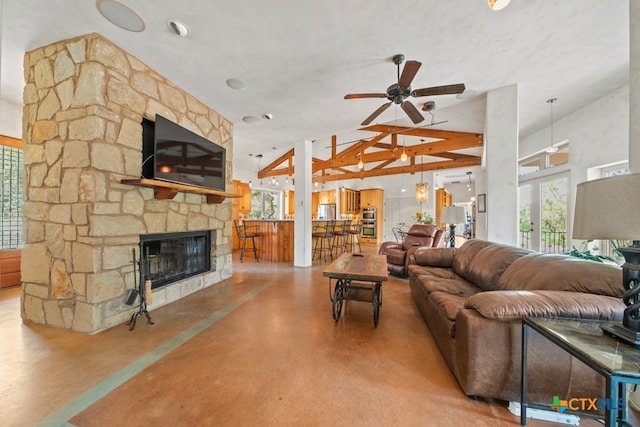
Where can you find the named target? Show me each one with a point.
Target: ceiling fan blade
(439, 90)
(412, 112)
(408, 73)
(365, 95)
(376, 113)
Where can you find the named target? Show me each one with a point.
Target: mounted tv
(173, 153)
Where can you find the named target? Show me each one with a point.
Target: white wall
(598, 135)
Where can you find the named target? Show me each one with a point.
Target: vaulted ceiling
(298, 58)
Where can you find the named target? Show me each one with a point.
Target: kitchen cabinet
(289, 202)
(443, 198)
(349, 201)
(374, 198)
(326, 197)
(243, 204)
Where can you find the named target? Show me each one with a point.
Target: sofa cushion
(420, 270)
(436, 257)
(465, 254)
(562, 273)
(489, 263)
(509, 305)
(458, 286)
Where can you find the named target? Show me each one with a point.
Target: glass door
(542, 206)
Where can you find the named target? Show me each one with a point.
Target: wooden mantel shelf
(167, 190)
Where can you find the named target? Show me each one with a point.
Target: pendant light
(551, 148)
(403, 156)
(250, 171)
(422, 188)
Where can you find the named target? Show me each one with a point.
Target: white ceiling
(300, 57)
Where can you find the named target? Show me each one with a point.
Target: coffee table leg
(523, 377)
(377, 297)
(338, 296)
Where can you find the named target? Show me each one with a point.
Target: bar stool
(339, 241)
(246, 232)
(353, 235)
(323, 235)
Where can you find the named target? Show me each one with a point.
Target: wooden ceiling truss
(381, 155)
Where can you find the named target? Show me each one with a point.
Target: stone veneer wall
(84, 101)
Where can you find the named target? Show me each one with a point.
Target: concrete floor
(258, 349)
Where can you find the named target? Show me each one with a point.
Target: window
(11, 194)
(543, 160)
(265, 204)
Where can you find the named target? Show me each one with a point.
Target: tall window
(11, 197)
(265, 204)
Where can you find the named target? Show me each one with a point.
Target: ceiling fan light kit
(498, 4)
(401, 90)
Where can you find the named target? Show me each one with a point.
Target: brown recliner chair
(418, 236)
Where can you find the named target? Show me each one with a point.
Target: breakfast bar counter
(275, 242)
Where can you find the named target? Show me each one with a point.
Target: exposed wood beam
(445, 164)
(439, 144)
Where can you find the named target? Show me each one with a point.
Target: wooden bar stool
(247, 232)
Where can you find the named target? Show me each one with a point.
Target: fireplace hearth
(170, 257)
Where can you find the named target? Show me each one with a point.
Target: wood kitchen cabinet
(349, 201)
(443, 198)
(243, 203)
(327, 197)
(374, 198)
(240, 207)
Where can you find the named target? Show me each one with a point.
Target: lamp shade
(453, 215)
(608, 208)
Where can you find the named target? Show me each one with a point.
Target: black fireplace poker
(142, 308)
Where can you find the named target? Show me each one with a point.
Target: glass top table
(617, 361)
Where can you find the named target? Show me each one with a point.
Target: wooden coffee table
(358, 277)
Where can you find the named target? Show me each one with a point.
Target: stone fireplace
(84, 102)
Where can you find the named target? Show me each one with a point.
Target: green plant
(423, 218)
(585, 253)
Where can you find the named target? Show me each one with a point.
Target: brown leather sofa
(398, 253)
(474, 298)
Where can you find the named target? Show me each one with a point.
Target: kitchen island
(275, 242)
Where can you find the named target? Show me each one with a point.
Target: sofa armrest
(388, 245)
(433, 257)
(510, 305)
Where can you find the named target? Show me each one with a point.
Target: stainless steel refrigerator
(327, 211)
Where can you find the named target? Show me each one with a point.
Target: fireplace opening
(169, 257)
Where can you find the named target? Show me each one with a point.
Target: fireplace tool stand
(142, 309)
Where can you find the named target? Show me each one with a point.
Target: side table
(617, 361)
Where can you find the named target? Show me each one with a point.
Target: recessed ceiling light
(267, 116)
(179, 27)
(251, 120)
(236, 84)
(120, 15)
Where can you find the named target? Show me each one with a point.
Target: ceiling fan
(400, 91)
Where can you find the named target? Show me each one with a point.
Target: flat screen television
(173, 153)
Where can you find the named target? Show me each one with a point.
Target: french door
(542, 206)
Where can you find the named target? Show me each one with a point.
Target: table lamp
(609, 209)
(453, 215)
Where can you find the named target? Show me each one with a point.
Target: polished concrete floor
(258, 349)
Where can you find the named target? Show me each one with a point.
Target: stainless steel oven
(369, 214)
(368, 229)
